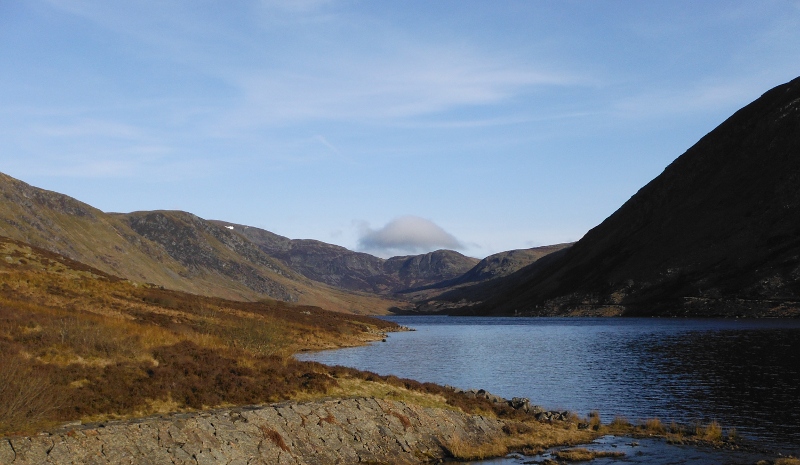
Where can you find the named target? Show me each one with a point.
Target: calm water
(742, 373)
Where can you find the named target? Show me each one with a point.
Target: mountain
(503, 264)
(480, 283)
(356, 271)
(176, 250)
(717, 233)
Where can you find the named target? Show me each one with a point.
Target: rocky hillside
(717, 233)
(504, 263)
(176, 250)
(479, 283)
(343, 268)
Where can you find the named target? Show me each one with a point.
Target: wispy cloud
(411, 83)
(406, 235)
(322, 140)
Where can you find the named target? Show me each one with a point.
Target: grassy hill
(77, 342)
(176, 250)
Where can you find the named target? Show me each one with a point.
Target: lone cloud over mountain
(407, 234)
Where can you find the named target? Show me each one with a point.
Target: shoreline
(344, 429)
(359, 429)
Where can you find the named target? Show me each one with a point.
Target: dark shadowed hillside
(717, 233)
(505, 263)
(479, 283)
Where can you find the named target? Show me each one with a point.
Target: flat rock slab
(321, 432)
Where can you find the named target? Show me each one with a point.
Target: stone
(321, 432)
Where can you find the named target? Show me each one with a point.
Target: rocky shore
(319, 432)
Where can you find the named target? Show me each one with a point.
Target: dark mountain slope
(423, 270)
(505, 263)
(717, 233)
(355, 271)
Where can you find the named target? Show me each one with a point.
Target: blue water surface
(744, 374)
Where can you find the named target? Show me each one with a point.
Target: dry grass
(654, 426)
(619, 425)
(585, 455)
(711, 432)
(674, 433)
(27, 397)
(780, 461)
(76, 343)
(356, 387)
(274, 437)
(787, 461)
(463, 449)
(529, 437)
(403, 419)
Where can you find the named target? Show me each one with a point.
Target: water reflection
(744, 374)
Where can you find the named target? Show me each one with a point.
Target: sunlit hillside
(80, 344)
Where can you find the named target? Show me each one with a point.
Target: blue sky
(390, 127)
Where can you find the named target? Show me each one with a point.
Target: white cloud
(406, 235)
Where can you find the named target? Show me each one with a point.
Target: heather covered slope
(717, 233)
(77, 343)
(74, 229)
(176, 250)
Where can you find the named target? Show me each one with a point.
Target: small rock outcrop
(520, 404)
(321, 432)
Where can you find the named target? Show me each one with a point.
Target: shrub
(27, 394)
(712, 432)
(654, 426)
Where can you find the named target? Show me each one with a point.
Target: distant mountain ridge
(504, 263)
(182, 251)
(716, 234)
(356, 271)
(176, 250)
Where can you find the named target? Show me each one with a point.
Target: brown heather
(77, 343)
